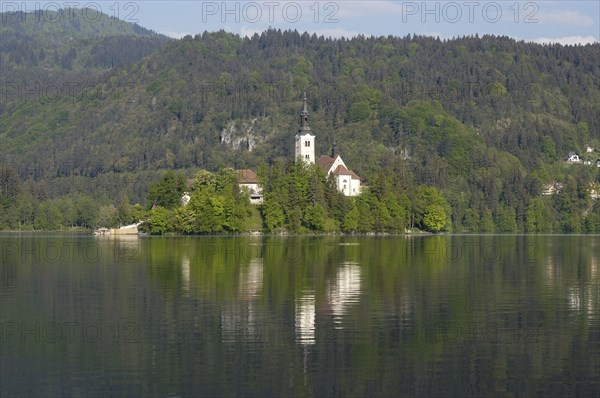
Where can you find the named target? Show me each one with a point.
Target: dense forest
(449, 135)
(46, 55)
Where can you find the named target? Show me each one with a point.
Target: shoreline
(283, 235)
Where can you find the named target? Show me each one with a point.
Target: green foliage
(296, 197)
(431, 209)
(366, 218)
(487, 222)
(168, 191)
(350, 222)
(539, 216)
(9, 182)
(549, 147)
(403, 110)
(272, 212)
(506, 219)
(435, 218)
(158, 221)
(215, 206)
(359, 111)
(314, 218)
(497, 90)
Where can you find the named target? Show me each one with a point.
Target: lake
(415, 316)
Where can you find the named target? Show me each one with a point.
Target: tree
(358, 111)
(539, 216)
(350, 223)
(471, 220)
(48, 216)
(168, 191)
(185, 220)
(381, 215)
(107, 216)
(399, 210)
(487, 221)
(87, 211)
(9, 182)
(272, 212)
(158, 221)
(366, 219)
(124, 211)
(435, 218)
(432, 212)
(314, 218)
(506, 219)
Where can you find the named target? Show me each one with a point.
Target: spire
(305, 107)
(304, 116)
(334, 147)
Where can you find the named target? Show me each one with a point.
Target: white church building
(347, 181)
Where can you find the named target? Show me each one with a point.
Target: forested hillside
(50, 54)
(486, 121)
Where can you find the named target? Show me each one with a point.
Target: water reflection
(251, 279)
(185, 272)
(581, 300)
(241, 319)
(594, 265)
(551, 270)
(278, 317)
(344, 291)
(305, 319)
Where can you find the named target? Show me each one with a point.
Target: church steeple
(334, 147)
(305, 141)
(304, 117)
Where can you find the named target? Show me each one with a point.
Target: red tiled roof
(325, 162)
(247, 176)
(341, 170)
(353, 175)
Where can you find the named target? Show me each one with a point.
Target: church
(346, 180)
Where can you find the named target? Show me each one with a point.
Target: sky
(565, 22)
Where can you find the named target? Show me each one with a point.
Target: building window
(306, 157)
(306, 143)
(344, 187)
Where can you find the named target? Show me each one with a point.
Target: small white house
(594, 189)
(552, 188)
(185, 198)
(589, 149)
(248, 180)
(573, 158)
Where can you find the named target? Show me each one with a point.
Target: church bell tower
(305, 141)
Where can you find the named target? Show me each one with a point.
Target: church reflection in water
(241, 318)
(244, 316)
(185, 273)
(305, 319)
(344, 291)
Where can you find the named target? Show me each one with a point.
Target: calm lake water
(300, 316)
